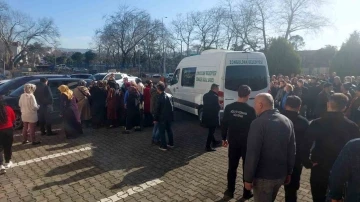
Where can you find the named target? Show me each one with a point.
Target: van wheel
(18, 122)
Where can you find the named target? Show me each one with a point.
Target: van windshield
(254, 76)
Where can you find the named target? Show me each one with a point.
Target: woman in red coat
(147, 98)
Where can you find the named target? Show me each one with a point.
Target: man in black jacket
(353, 112)
(322, 100)
(164, 115)
(329, 133)
(210, 117)
(303, 93)
(313, 92)
(44, 98)
(235, 127)
(301, 124)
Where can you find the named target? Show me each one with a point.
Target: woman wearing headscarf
(7, 119)
(98, 104)
(29, 116)
(133, 101)
(69, 112)
(82, 94)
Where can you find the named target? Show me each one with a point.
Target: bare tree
(296, 15)
(19, 27)
(208, 26)
(127, 28)
(243, 17)
(184, 28)
(263, 15)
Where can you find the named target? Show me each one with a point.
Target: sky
(78, 20)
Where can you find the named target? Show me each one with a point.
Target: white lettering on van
(201, 76)
(244, 62)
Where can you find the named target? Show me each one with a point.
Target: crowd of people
(304, 121)
(275, 138)
(315, 91)
(100, 104)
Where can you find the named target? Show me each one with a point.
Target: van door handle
(252, 98)
(177, 87)
(229, 99)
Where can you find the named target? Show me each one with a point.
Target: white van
(229, 69)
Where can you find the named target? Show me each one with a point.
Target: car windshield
(254, 76)
(99, 77)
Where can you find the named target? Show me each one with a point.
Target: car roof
(47, 75)
(62, 79)
(101, 73)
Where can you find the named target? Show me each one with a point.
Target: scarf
(64, 89)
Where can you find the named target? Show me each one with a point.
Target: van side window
(188, 76)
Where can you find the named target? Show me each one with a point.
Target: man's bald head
(263, 102)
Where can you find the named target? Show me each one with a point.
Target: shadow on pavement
(130, 159)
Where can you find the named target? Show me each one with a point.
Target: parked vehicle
(194, 76)
(13, 84)
(119, 77)
(83, 76)
(170, 75)
(13, 98)
(80, 70)
(4, 81)
(100, 76)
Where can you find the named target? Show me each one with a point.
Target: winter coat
(147, 99)
(211, 108)
(154, 99)
(28, 107)
(81, 94)
(164, 109)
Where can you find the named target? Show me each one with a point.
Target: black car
(8, 87)
(83, 76)
(13, 98)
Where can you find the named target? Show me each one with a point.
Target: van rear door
(251, 71)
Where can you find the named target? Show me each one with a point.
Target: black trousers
(319, 180)
(6, 141)
(235, 153)
(133, 118)
(44, 119)
(210, 138)
(291, 189)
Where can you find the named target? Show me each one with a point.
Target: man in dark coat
(210, 117)
(313, 92)
(164, 116)
(44, 98)
(353, 112)
(328, 134)
(301, 124)
(322, 100)
(303, 93)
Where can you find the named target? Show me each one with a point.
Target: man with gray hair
(270, 155)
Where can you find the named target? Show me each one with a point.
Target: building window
(188, 76)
